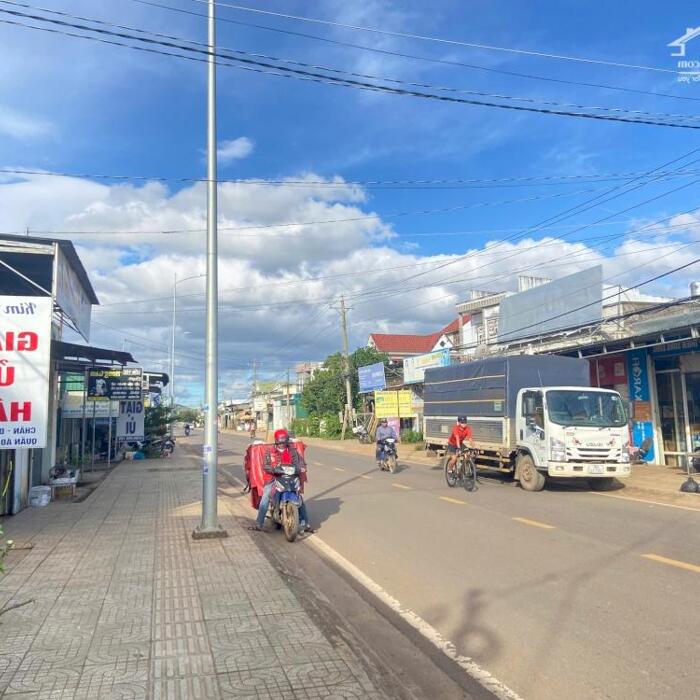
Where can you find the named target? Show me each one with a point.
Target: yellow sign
(393, 404)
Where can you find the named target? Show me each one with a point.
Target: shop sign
(72, 407)
(638, 380)
(393, 404)
(414, 367)
(119, 384)
(371, 377)
(25, 354)
(130, 421)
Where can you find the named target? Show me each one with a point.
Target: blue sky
(74, 106)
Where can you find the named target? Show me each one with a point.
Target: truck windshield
(585, 408)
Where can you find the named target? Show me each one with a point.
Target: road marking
(401, 486)
(534, 523)
(364, 476)
(673, 562)
(471, 668)
(644, 500)
(339, 469)
(452, 500)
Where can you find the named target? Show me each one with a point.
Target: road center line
(452, 500)
(534, 523)
(339, 469)
(364, 476)
(673, 562)
(401, 486)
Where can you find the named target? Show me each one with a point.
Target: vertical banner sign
(25, 356)
(640, 398)
(130, 421)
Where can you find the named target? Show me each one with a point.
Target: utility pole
(209, 526)
(289, 410)
(348, 392)
(172, 345)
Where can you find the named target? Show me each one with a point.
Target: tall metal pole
(109, 436)
(209, 526)
(172, 346)
(289, 409)
(348, 391)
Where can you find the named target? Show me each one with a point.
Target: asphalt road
(559, 594)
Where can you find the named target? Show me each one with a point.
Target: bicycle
(464, 470)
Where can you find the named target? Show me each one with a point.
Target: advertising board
(414, 367)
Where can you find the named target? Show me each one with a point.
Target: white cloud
(22, 126)
(236, 149)
(277, 284)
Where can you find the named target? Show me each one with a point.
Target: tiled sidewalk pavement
(128, 606)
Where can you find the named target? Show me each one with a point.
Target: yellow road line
(364, 476)
(452, 500)
(339, 469)
(401, 486)
(534, 523)
(645, 500)
(673, 562)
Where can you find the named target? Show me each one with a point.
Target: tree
(157, 421)
(325, 392)
(187, 415)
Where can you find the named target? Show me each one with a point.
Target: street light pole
(172, 346)
(209, 526)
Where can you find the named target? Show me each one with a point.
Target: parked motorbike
(361, 434)
(286, 501)
(390, 459)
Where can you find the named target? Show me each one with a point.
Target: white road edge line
(483, 677)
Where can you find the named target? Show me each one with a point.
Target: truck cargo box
(489, 388)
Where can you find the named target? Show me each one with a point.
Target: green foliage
(324, 394)
(187, 415)
(5, 547)
(330, 426)
(411, 436)
(157, 421)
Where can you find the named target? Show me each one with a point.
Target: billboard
(414, 367)
(25, 353)
(72, 406)
(371, 377)
(393, 404)
(574, 300)
(130, 421)
(118, 384)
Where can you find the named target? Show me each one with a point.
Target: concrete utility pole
(172, 346)
(289, 409)
(209, 526)
(348, 392)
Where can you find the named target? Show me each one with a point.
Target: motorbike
(361, 434)
(389, 462)
(286, 500)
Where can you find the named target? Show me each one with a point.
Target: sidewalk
(652, 482)
(127, 605)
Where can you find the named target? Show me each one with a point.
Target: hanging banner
(640, 398)
(393, 404)
(119, 384)
(25, 356)
(371, 377)
(130, 421)
(414, 367)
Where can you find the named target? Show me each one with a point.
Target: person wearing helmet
(460, 434)
(384, 431)
(283, 453)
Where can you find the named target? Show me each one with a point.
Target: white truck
(534, 416)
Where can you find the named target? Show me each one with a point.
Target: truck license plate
(596, 469)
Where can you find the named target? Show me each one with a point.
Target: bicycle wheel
(451, 475)
(469, 481)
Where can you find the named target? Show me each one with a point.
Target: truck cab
(570, 432)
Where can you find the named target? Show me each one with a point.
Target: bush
(411, 436)
(306, 427)
(330, 426)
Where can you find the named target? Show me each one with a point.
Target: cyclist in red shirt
(460, 434)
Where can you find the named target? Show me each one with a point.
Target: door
(672, 413)
(532, 433)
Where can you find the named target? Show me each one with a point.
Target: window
(586, 408)
(533, 408)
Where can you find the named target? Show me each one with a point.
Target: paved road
(559, 594)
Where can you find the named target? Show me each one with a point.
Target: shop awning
(74, 356)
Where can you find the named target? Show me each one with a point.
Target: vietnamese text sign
(25, 353)
(414, 367)
(119, 384)
(371, 377)
(393, 404)
(130, 421)
(72, 407)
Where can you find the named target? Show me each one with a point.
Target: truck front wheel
(601, 483)
(530, 478)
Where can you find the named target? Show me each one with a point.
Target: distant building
(399, 346)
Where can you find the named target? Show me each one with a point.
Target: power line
(413, 57)
(309, 76)
(441, 40)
